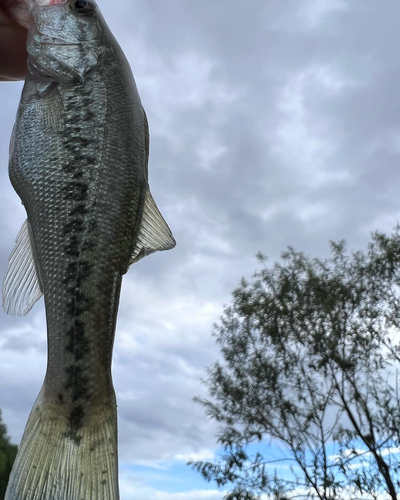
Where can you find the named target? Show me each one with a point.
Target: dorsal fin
(21, 288)
(154, 233)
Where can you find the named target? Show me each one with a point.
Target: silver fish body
(79, 164)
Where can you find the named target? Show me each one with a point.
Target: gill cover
(63, 41)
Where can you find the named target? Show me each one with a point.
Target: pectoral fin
(154, 233)
(50, 108)
(21, 287)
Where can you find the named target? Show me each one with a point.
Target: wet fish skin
(78, 162)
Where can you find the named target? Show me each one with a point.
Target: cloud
(314, 14)
(129, 490)
(202, 455)
(270, 125)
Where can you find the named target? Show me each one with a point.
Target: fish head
(65, 39)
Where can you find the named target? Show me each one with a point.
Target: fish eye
(81, 6)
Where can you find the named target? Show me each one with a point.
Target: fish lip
(49, 41)
(34, 5)
(45, 3)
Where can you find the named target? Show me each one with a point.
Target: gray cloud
(271, 124)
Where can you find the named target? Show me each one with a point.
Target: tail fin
(54, 463)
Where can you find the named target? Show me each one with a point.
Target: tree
(310, 350)
(8, 453)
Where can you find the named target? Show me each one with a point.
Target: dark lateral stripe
(78, 304)
(78, 382)
(77, 272)
(79, 210)
(76, 191)
(81, 147)
(75, 225)
(75, 422)
(78, 344)
(72, 246)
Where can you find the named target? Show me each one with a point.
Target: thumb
(17, 10)
(13, 55)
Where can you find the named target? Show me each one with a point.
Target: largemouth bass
(78, 161)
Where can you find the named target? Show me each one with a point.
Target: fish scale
(79, 164)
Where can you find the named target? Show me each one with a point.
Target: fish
(79, 163)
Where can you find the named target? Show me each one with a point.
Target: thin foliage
(8, 453)
(309, 355)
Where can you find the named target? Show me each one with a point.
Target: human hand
(13, 55)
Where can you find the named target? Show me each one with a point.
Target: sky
(272, 123)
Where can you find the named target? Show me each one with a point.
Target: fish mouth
(44, 3)
(57, 41)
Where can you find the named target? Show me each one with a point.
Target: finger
(17, 10)
(4, 79)
(13, 55)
